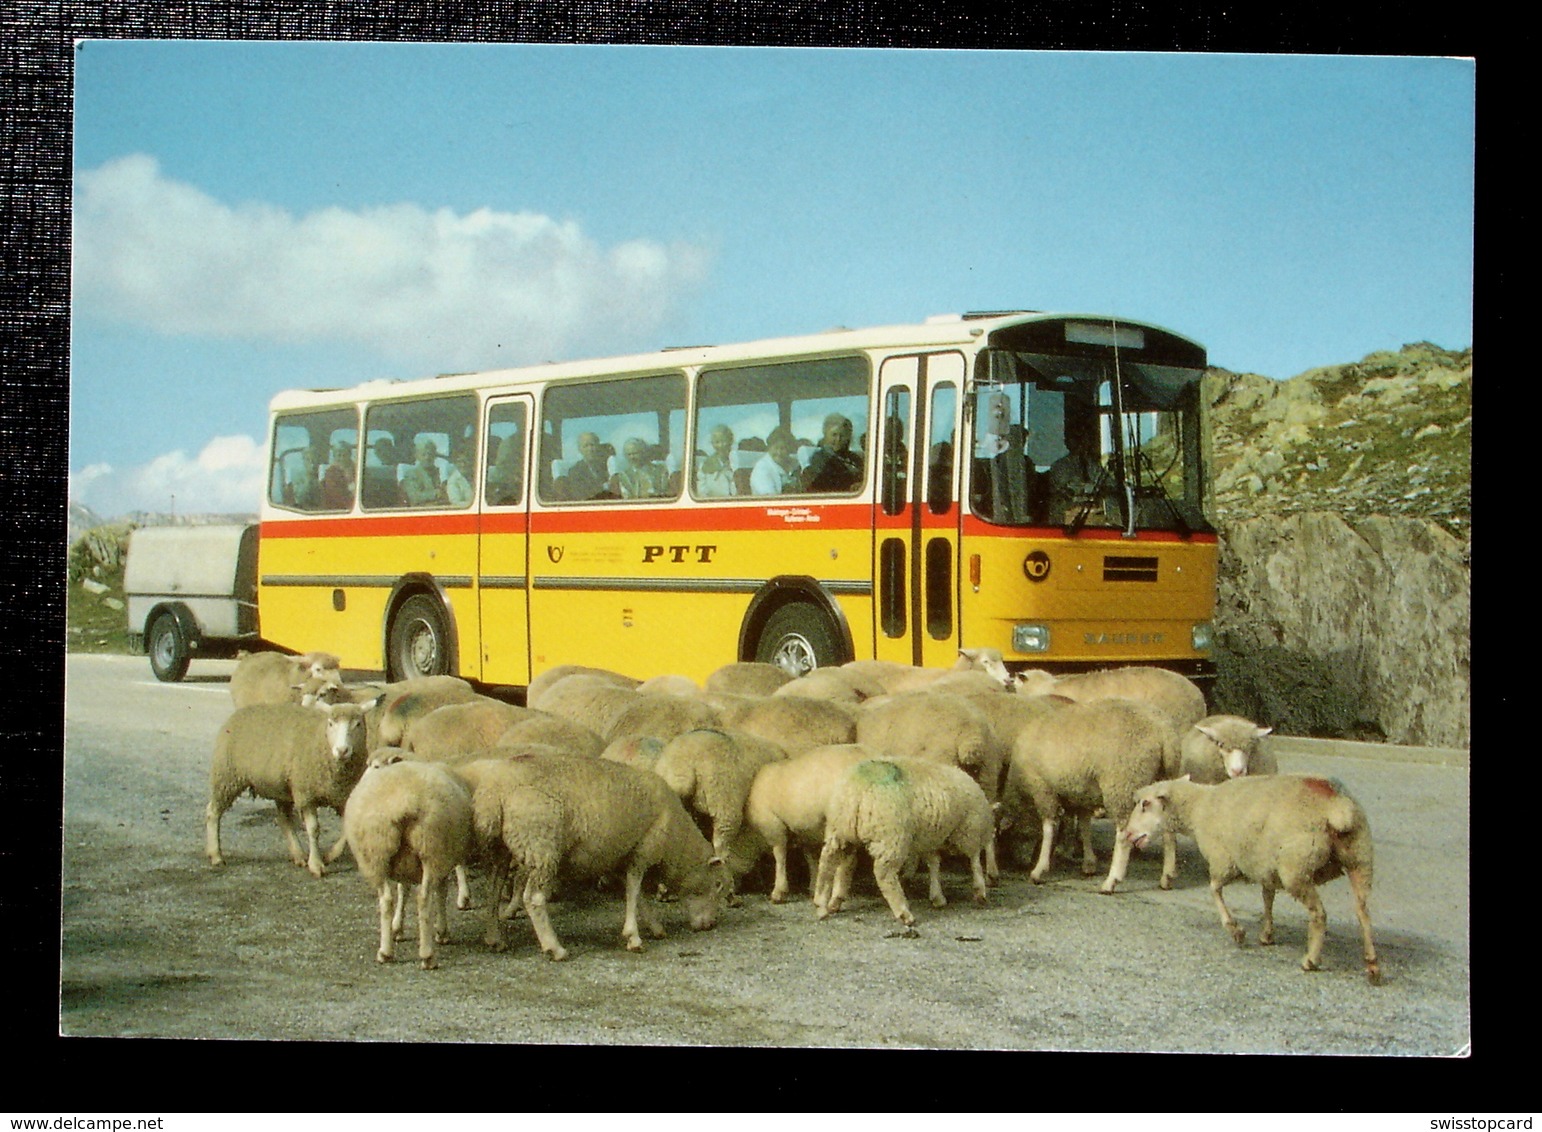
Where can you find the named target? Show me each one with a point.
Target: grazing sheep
(593, 701)
(539, 727)
(299, 757)
(788, 800)
(536, 690)
(897, 677)
(1085, 757)
(747, 678)
(1219, 747)
(940, 726)
(590, 818)
(711, 771)
(661, 716)
(898, 810)
(1174, 694)
(669, 684)
(640, 751)
(795, 723)
(1282, 831)
(452, 729)
(834, 684)
(278, 678)
(409, 823)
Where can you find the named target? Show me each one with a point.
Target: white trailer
(192, 591)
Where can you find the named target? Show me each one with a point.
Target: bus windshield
(1086, 441)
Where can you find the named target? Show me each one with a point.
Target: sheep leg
(1119, 865)
(337, 849)
(1228, 921)
(634, 882)
(980, 874)
(1360, 884)
(429, 890)
(540, 920)
(286, 827)
(462, 888)
(1046, 848)
(992, 873)
(1169, 858)
(824, 880)
(1316, 925)
(934, 887)
(723, 834)
(779, 886)
(1089, 855)
(1266, 925)
(845, 869)
(312, 829)
(493, 936)
(886, 872)
(383, 899)
(211, 825)
(400, 912)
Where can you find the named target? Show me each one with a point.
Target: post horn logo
(1036, 566)
(554, 553)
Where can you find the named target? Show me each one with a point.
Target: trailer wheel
(798, 639)
(167, 648)
(419, 640)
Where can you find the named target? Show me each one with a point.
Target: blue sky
(251, 217)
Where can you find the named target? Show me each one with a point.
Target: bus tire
(420, 640)
(798, 638)
(167, 648)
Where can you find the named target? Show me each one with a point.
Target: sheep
(795, 723)
(640, 751)
(661, 716)
(300, 757)
(1219, 747)
(834, 684)
(1283, 831)
(536, 690)
(899, 809)
(748, 678)
(711, 770)
(453, 728)
(1173, 693)
(539, 727)
(409, 823)
(898, 677)
(940, 726)
(400, 703)
(788, 799)
(594, 701)
(589, 818)
(669, 684)
(278, 678)
(1081, 757)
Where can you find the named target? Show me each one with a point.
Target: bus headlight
(1030, 638)
(1204, 636)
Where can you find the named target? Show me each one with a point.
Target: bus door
(503, 568)
(915, 518)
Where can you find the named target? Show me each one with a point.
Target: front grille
(1129, 568)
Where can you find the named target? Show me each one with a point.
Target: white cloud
(430, 289)
(227, 476)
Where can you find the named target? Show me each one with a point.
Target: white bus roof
(938, 330)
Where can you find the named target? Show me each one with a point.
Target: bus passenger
(777, 471)
(641, 478)
(305, 488)
(420, 482)
(833, 467)
(1002, 443)
(504, 477)
(590, 477)
(457, 481)
(715, 476)
(337, 484)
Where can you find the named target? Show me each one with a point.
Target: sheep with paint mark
(788, 801)
(1174, 693)
(586, 818)
(1084, 757)
(400, 703)
(898, 810)
(409, 823)
(1219, 747)
(662, 716)
(301, 758)
(278, 678)
(940, 726)
(1280, 831)
(452, 729)
(710, 770)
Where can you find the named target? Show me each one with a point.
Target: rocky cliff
(1344, 502)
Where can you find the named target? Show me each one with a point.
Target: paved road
(1053, 967)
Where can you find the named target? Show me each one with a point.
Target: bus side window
(505, 450)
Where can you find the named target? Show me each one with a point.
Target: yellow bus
(1025, 481)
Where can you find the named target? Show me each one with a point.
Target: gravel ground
(155, 943)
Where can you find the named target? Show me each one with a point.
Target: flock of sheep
(603, 775)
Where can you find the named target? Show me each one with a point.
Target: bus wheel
(419, 639)
(798, 639)
(167, 648)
